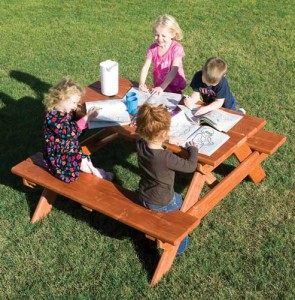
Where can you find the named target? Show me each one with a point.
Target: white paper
(110, 111)
(219, 119)
(170, 100)
(207, 138)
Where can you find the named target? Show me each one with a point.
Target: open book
(207, 138)
(170, 100)
(219, 119)
(111, 113)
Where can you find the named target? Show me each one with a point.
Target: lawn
(243, 249)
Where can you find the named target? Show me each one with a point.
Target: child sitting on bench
(62, 153)
(158, 165)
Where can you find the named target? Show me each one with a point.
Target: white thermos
(109, 77)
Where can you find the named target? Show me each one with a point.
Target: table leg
(223, 188)
(194, 191)
(98, 140)
(258, 174)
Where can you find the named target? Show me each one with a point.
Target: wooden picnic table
(242, 143)
(248, 142)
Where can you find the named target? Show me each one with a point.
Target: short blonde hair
(60, 92)
(151, 121)
(170, 23)
(214, 69)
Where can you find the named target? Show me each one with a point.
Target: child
(158, 165)
(166, 55)
(62, 153)
(212, 84)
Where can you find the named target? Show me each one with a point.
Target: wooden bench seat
(112, 200)
(266, 142)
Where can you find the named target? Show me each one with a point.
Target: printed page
(221, 120)
(110, 111)
(208, 139)
(180, 126)
(170, 100)
(190, 113)
(102, 124)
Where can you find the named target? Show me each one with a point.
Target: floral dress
(62, 153)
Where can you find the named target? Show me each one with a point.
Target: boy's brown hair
(151, 121)
(214, 69)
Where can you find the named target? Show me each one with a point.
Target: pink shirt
(162, 66)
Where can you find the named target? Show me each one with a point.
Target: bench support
(164, 264)
(44, 205)
(258, 174)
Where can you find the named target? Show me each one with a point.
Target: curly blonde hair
(170, 23)
(151, 121)
(60, 92)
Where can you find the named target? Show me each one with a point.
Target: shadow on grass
(21, 129)
(20, 125)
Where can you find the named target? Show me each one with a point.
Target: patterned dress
(62, 153)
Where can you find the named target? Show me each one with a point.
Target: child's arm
(170, 76)
(143, 75)
(82, 123)
(217, 103)
(192, 100)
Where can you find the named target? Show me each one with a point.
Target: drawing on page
(203, 138)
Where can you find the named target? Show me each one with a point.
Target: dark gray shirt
(158, 168)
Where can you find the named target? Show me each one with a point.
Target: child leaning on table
(62, 153)
(157, 164)
(211, 83)
(166, 55)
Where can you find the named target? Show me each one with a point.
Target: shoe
(242, 111)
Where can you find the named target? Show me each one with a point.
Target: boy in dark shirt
(213, 86)
(158, 165)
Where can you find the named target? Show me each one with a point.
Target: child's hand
(190, 144)
(176, 140)
(157, 90)
(201, 111)
(92, 113)
(143, 88)
(189, 102)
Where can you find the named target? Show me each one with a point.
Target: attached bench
(265, 143)
(105, 197)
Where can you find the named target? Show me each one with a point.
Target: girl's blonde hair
(170, 23)
(214, 69)
(151, 121)
(61, 92)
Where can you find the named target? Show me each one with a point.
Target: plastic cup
(132, 103)
(130, 94)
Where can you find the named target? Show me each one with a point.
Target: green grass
(243, 249)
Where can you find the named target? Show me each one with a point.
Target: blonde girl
(166, 55)
(62, 153)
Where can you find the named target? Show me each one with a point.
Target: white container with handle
(109, 76)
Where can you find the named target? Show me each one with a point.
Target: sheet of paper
(170, 100)
(208, 139)
(110, 111)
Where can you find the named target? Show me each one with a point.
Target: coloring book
(207, 138)
(111, 113)
(219, 119)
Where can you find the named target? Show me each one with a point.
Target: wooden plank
(223, 188)
(111, 200)
(266, 141)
